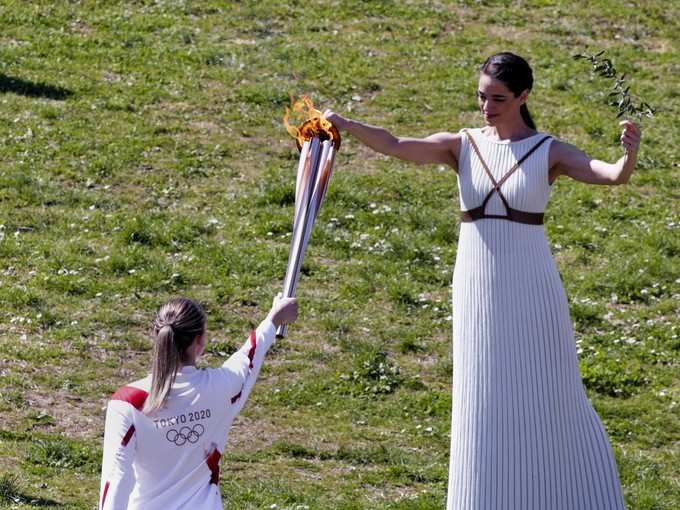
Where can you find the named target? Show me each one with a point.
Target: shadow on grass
(11, 491)
(30, 502)
(32, 89)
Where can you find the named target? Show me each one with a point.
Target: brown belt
(516, 215)
(513, 215)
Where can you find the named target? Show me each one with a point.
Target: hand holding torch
(318, 141)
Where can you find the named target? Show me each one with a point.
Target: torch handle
(282, 331)
(304, 219)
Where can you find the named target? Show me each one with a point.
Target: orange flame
(313, 124)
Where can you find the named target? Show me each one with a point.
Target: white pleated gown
(523, 434)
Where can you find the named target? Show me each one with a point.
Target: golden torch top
(313, 124)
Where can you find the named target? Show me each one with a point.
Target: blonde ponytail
(175, 328)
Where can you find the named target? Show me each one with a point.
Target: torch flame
(313, 124)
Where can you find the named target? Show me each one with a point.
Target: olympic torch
(318, 141)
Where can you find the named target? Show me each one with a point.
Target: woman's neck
(510, 131)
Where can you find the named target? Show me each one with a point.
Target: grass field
(142, 156)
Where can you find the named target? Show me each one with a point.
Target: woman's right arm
(441, 148)
(240, 371)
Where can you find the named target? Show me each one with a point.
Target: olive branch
(619, 97)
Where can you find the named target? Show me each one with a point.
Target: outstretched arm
(566, 159)
(240, 371)
(442, 148)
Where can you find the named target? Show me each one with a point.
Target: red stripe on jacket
(106, 489)
(251, 356)
(253, 346)
(236, 397)
(128, 435)
(131, 395)
(213, 462)
(136, 398)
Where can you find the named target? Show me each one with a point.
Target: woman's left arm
(566, 159)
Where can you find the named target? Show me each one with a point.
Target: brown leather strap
(511, 214)
(497, 186)
(522, 160)
(515, 215)
(488, 172)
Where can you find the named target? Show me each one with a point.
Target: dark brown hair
(515, 73)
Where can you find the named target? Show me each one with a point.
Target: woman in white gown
(523, 434)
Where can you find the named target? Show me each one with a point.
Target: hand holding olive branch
(620, 96)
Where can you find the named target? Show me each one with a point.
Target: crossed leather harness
(516, 215)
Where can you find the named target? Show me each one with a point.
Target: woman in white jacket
(165, 433)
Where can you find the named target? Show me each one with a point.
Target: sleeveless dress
(523, 434)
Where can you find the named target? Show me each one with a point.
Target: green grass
(142, 156)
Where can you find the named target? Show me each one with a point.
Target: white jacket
(170, 460)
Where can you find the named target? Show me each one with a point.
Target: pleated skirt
(523, 434)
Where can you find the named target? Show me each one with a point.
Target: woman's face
(497, 102)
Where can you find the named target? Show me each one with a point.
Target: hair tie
(166, 325)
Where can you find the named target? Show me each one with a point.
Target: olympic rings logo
(185, 435)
